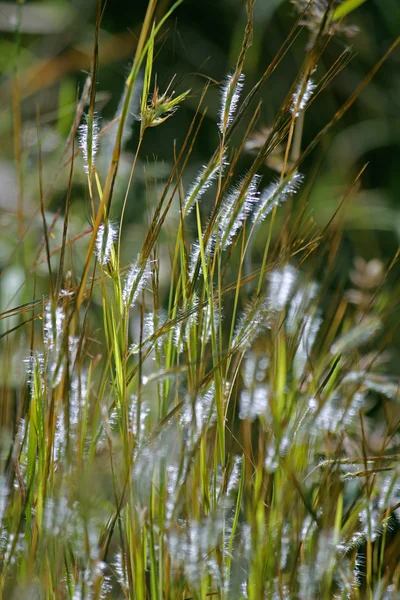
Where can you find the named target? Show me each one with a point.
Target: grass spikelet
(357, 336)
(54, 320)
(236, 434)
(199, 414)
(258, 314)
(235, 208)
(251, 323)
(308, 334)
(153, 334)
(4, 492)
(275, 195)
(301, 306)
(53, 327)
(301, 97)
(204, 180)
(136, 279)
(281, 286)
(231, 91)
(106, 236)
(336, 413)
(34, 366)
(210, 321)
(89, 142)
(138, 425)
(254, 403)
(194, 258)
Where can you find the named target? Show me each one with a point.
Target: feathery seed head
(204, 180)
(275, 194)
(235, 208)
(106, 236)
(301, 97)
(88, 137)
(136, 279)
(231, 91)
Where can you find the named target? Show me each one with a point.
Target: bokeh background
(45, 55)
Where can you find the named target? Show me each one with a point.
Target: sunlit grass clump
(206, 437)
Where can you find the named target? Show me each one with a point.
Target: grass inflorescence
(204, 437)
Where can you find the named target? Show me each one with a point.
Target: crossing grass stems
(215, 445)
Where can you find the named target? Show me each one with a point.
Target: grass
(208, 436)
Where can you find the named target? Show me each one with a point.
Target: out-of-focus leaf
(346, 7)
(36, 17)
